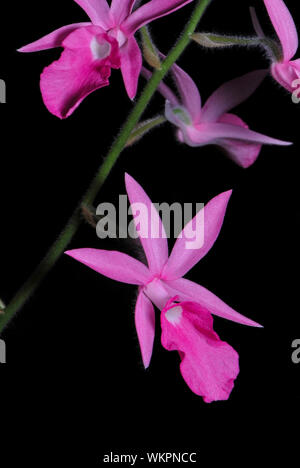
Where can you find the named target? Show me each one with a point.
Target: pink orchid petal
(284, 26)
(131, 64)
(189, 291)
(54, 39)
(114, 265)
(211, 133)
(83, 67)
(189, 93)
(287, 74)
(182, 259)
(209, 366)
(120, 9)
(164, 90)
(151, 11)
(145, 326)
(156, 249)
(231, 94)
(242, 153)
(98, 12)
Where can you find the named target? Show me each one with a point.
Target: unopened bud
(151, 54)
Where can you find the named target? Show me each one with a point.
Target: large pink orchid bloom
(162, 279)
(91, 49)
(212, 124)
(286, 71)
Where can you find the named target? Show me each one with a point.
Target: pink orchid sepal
(209, 366)
(213, 124)
(162, 278)
(92, 49)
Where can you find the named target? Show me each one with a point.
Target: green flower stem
(59, 246)
(144, 127)
(220, 41)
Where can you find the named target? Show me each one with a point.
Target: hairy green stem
(74, 222)
(143, 128)
(210, 40)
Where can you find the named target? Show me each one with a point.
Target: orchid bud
(149, 50)
(215, 40)
(211, 41)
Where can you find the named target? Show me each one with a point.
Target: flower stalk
(211, 41)
(59, 246)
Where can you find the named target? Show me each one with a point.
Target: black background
(74, 387)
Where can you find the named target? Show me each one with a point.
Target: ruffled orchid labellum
(212, 124)
(93, 48)
(162, 280)
(209, 366)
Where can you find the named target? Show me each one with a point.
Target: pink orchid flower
(209, 366)
(91, 49)
(212, 124)
(285, 71)
(162, 279)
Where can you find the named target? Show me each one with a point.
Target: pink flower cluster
(91, 50)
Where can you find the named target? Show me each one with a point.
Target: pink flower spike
(209, 366)
(284, 26)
